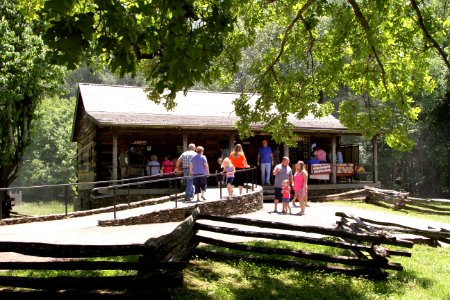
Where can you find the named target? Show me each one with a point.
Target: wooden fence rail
(373, 263)
(161, 260)
(392, 199)
(363, 225)
(159, 266)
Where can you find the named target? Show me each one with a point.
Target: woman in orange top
(239, 161)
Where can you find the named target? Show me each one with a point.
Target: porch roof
(128, 106)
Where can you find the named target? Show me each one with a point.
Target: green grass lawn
(40, 208)
(419, 215)
(425, 276)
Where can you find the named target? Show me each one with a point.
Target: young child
(228, 171)
(286, 194)
(300, 186)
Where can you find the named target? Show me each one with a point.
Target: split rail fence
(162, 260)
(430, 236)
(160, 265)
(370, 253)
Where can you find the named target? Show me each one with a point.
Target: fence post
(176, 194)
(220, 189)
(246, 180)
(66, 195)
(253, 179)
(128, 196)
(115, 202)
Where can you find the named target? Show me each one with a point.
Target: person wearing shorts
(281, 172)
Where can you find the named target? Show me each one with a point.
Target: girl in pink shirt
(286, 196)
(300, 186)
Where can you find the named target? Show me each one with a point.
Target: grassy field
(40, 208)
(419, 215)
(425, 276)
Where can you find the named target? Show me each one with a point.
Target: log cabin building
(109, 119)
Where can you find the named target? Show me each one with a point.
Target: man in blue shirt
(313, 160)
(265, 160)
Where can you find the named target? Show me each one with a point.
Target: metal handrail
(114, 188)
(117, 184)
(66, 186)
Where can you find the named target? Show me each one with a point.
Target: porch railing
(65, 192)
(110, 191)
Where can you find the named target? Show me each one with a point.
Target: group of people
(166, 167)
(318, 156)
(195, 169)
(232, 167)
(152, 166)
(285, 181)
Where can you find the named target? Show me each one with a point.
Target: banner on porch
(346, 169)
(320, 168)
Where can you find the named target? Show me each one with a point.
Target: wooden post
(333, 159)
(286, 151)
(114, 157)
(375, 159)
(185, 141)
(231, 141)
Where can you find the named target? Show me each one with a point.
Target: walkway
(84, 230)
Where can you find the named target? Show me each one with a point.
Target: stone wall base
(253, 201)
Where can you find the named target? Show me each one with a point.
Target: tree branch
(139, 55)
(285, 36)
(365, 26)
(311, 45)
(274, 75)
(427, 34)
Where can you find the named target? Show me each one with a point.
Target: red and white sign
(320, 168)
(346, 169)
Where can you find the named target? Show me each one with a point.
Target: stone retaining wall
(253, 201)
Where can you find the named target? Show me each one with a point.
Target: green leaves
(25, 77)
(51, 157)
(180, 37)
(369, 48)
(294, 54)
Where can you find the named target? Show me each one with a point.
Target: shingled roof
(128, 106)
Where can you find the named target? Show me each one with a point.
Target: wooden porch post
(231, 141)
(185, 141)
(333, 159)
(114, 157)
(375, 159)
(286, 151)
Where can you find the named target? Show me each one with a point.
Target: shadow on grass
(204, 280)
